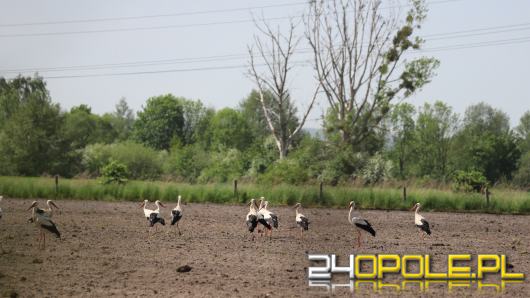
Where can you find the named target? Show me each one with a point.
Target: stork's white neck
(349, 215)
(157, 206)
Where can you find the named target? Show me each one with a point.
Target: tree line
(368, 136)
(175, 138)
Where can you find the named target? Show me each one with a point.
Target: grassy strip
(512, 202)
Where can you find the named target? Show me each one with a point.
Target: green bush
(288, 171)
(376, 169)
(469, 181)
(114, 172)
(142, 162)
(187, 163)
(224, 166)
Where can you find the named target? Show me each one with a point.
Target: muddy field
(105, 251)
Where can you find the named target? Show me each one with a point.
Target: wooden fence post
(487, 192)
(56, 185)
(404, 193)
(321, 192)
(235, 189)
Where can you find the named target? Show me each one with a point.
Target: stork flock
(259, 218)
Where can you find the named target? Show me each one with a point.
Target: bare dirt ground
(105, 251)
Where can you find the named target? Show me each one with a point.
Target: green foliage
(469, 181)
(224, 166)
(486, 143)
(161, 122)
(260, 157)
(230, 130)
(30, 129)
(142, 162)
(403, 127)
(252, 111)
(187, 163)
(114, 172)
(196, 121)
(522, 176)
(435, 127)
(287, 171)
(523, 132)
(122, 120)
(376, 169)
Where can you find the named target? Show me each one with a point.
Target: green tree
(252, 111)
(122, 120)
(486, 143)
(229, 129)
(80, 126)
(196, 120)
(30, 131)
(161, 122)
(403, 136)
(523, 132)
(186, 163)
(435, 127)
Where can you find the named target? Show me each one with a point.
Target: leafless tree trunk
(275, 50)
(358, 48)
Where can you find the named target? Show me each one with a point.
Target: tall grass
(502, 201)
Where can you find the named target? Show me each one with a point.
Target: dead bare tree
(275, 50)
(358, 48)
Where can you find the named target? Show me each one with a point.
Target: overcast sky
(491, 65)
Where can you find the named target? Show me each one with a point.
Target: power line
(228, 57)
(160, 27)
(132, 29)
(479, 32)
(301, 63)
(152, 16)
(200, 12)
(162, 71)
(480, 44)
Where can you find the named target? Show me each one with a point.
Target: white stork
(48, 211)
(354, 217)
(267, 218)
(147, 212)
(50, 204)
(153, 216)
(176, 215)
(44, 222)
(301, 220)
(420, 220)
(252, 217)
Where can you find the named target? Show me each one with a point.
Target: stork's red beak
(142, 205)
(413, 207)
(162, 205)
(53, 204)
